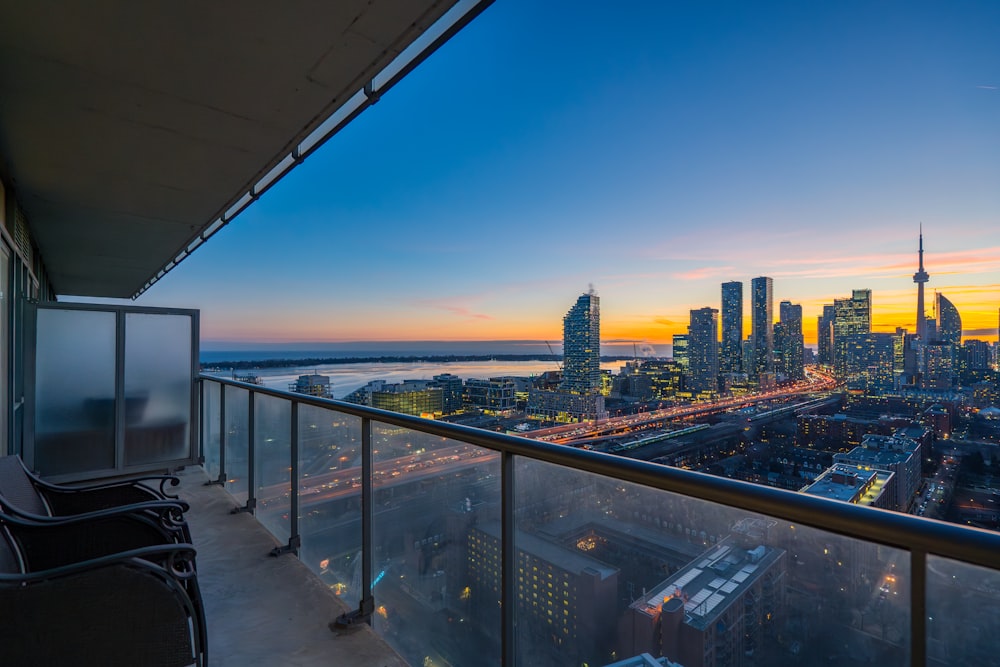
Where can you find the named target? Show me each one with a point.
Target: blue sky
(654, 153)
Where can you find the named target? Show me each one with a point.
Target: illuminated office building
(949, 322)
(824, 336)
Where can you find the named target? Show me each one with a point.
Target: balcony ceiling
(128, 127)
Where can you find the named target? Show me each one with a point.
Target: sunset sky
(654, 153)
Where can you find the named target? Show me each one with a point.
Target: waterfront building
(762, 325)
(582, 345)
(494, 396)
(731, 353)
(422, 398)
(313, 384)
(703, 351)
(451, 392)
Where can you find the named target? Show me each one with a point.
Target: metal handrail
(918, 536)
(893, 529)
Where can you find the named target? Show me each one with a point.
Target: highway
(574, 434)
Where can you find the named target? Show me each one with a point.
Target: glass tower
(762, 325)
(703, 350)
(582, 345)
(851, 317)
(731, 360)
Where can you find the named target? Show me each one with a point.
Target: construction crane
(558, 363)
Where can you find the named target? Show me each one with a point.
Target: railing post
(251, 503)
(918, 608)
(366, 607)
(508, 566)
(294, 539)
(201, 421)
(221, 480)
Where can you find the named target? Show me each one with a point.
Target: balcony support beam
(366, 607)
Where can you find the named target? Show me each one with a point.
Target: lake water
(346, 378)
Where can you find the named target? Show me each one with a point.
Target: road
(816, 381)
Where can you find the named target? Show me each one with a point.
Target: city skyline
(677, 156)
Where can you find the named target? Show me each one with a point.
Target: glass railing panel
(330, 498)
(210, 427)
(435, 590)
(237, 442)
(273, 463)
(963, 613)
(606, 570)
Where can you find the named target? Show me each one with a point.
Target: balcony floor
(263, 610)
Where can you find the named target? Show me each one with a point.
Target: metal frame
(294, 540)
(920, 537)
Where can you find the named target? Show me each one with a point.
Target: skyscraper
(851, 317)
(703, 351)
(731, 359)
(582, 345)
(680, 350)
(920, 277)
(949, 322)
(791, 348)
(824, 336)
(762, 325)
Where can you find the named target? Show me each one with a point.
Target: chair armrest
(168, 513)
(177, 559)
(63, 500)
(48, 542)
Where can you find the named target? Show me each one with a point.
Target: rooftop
(710, 584)
(850, 484)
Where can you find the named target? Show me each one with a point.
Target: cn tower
(920, 277)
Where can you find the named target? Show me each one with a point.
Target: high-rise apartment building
(851, 317)
(582, 345)
(731, 357)
(762, 325)
(791, 348)
(703, 351)
(824, 336)
(949, 322)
